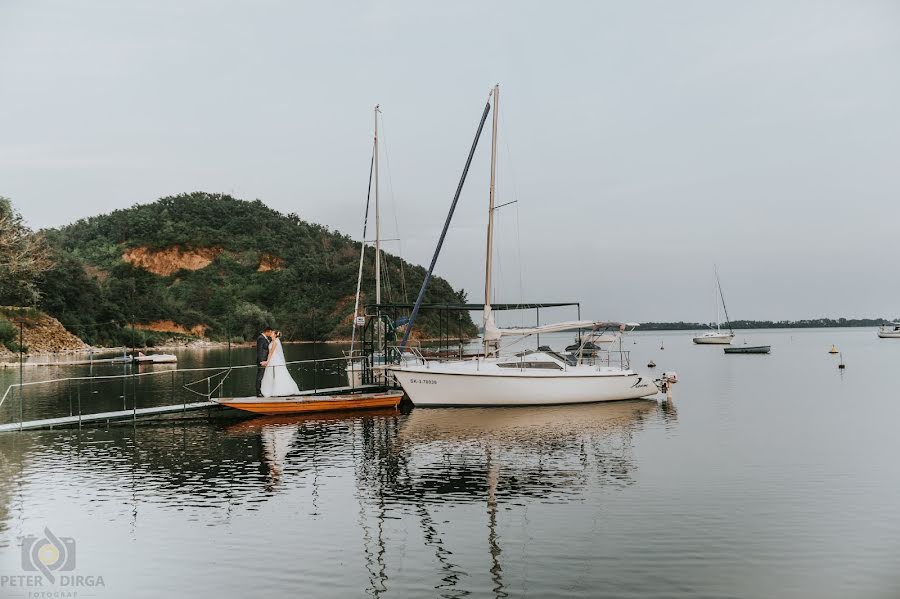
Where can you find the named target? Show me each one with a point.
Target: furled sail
(492, 332)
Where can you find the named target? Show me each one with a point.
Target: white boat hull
(157, 359)
(723, 339)
(889, 334)
(428, 387)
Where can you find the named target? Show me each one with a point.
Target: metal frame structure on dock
(385, 343)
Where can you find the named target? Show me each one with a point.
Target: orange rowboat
(313, 403)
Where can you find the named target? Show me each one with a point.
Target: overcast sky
(644, 141)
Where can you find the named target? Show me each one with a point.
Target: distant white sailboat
(530, 377)
(889, 331)
(717, 337)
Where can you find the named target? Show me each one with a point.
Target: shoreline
(10, 360)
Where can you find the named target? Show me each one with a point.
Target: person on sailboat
(277, 381)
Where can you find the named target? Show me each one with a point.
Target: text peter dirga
(53, 559)
(64, 586)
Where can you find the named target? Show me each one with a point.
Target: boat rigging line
(515, 193)
(387, 158)
(362, 251)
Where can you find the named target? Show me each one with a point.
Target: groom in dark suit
(262, 356)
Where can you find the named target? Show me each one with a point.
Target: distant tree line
(813, 323)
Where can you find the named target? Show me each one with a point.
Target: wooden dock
(105, 417)
(145, 414)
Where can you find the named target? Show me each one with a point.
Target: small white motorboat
(142, 358)
(889, 331)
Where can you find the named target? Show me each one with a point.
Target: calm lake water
(765, 476)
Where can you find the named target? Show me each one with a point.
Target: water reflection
(428, 455)
(303, 441)
(545, 452)
(493, 537)
(756, 483)
(500, 455)
(411, 463)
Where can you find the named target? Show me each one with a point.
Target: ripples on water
(764, 477)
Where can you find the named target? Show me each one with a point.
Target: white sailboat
(890, 330)
(528, 378)
(717, 337)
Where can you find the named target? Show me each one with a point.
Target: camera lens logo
(48, 555)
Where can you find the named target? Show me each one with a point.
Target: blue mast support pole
(437, 250)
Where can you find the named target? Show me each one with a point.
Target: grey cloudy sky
(644, 141)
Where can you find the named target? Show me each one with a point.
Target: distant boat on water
(889, 331)
(749, 349)
(142, 358)
(717, 337)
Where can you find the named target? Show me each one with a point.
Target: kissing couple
(272, 376)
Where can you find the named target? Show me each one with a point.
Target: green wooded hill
(214, 263)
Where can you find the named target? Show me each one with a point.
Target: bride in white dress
(277, 381)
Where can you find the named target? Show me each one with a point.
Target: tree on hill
(225, 264)
(24, 257)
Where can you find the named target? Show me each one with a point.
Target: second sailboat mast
(490, 227)
(377, 220)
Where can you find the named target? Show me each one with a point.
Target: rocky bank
(41, 333)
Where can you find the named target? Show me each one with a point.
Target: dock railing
(202, 388)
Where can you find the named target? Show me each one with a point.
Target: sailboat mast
(716, 302)
(724, 306)
(490, 228)
(377, 220)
